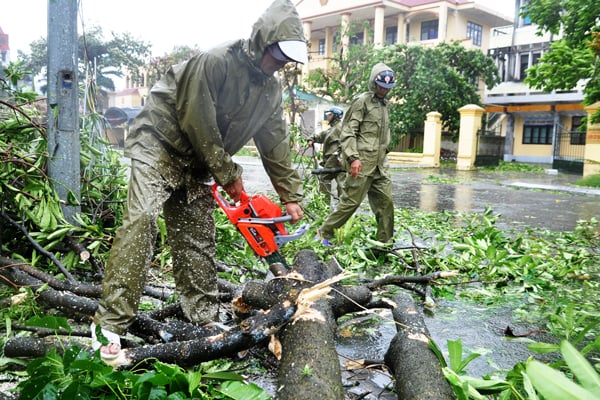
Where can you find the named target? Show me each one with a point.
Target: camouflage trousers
(378, 189)
(187, 206)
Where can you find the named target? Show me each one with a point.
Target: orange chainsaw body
(257, 218)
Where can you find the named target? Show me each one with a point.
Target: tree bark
(310, 365)
(417, 370)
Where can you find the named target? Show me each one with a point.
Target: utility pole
(63, 105)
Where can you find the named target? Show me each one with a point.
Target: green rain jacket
(366, 129)
(331, 144)
(206, 109)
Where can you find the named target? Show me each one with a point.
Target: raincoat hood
(377, 68)
(280, 22)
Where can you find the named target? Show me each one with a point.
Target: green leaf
(582, 369)
(243, 391)
(543, 348)
(455, 350)
(554, 385)
(438, 353)
(77, 390)
(223, 376)
(49, 322)
(528, 386)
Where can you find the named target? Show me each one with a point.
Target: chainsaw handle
(267, 221)
(222, 201)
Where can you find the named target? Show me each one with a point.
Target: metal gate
(490, 147)
(569, 150)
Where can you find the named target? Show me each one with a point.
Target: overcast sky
(164, 24)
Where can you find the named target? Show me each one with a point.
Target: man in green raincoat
(364, 139)
(330, 138)
(200, 114)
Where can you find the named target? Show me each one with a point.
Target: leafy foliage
(574, 56)
(156, 67)
(79, 374)
(442, 78)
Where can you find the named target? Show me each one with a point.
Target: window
(391, 35)
(474, 32)
(321, 47)
(523, 65)
(429, 30)
(537, 133)
(358, 38)
(523, 7)
(577, 130)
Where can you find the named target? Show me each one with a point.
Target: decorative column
(378, 37)
(401, 33)
(432, 139)
(328, 47)
(307, 34)
(591, 163)
(470, 123)
(443, 22)
(345, 34)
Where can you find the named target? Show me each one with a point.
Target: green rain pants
(378, 188)
(188, 207)
(326, 180)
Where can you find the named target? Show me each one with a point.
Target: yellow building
(383, 22)
(539, 127)
(329, 24)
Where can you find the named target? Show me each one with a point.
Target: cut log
(310, 366)
(416, 368)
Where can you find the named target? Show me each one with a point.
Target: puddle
(517, 197)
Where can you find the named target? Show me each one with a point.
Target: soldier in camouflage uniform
(200, 114)
(365, 138)
(330, 138)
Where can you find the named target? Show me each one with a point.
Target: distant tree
(36, 61)
(158, 66)
(100, 60)
(575, 55)
(442, 78)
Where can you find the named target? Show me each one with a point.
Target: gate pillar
(432, 139)
(591, 162)
(470, 123)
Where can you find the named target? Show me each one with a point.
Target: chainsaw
(262, 224)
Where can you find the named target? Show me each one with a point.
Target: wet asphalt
(546, 200)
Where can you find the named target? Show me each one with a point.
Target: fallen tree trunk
(309, 362)
(417, 370)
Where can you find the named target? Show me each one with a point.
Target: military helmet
(386, 79)
(336, 111)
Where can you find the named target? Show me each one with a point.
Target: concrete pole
(591, 163)
(63, 111)
(470, 122)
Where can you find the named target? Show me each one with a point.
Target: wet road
(523, 199)
(520, 198)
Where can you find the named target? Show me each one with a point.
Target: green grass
(589, 181)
